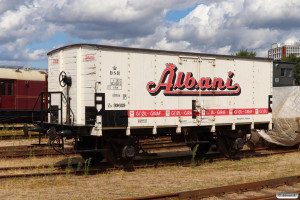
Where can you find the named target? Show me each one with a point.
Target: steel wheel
(225, 146)
(113, 156)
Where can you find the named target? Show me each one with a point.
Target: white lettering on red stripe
(204, 112)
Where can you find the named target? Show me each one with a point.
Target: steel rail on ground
(220, 191)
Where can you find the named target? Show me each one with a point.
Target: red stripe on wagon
(203, 112)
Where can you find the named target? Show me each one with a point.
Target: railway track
(54, 169)
(44, 149)
(30, 150)
(16, 132)
(18, 126)
(187, 160)
(165, 144)
(22, 147)
(154, 162)
(239, 189)
(17, 137)
(33, 153)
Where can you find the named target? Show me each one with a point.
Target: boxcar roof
(155, 51)
(19, 74)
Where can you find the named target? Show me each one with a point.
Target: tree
(297, 73)
(246, 53)
(293, 58)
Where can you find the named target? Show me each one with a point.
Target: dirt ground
(121, 184)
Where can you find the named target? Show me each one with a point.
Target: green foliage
(297, 73)
(79, 166)
(39, 195)
(246, 53)
(86, 166)
(193, 164)
(293, 58)
(69, 167)
(51, 169)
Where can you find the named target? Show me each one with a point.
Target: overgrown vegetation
(195, 149)
(51, 169)
(246, 53)
(86, 166)
(69, 167)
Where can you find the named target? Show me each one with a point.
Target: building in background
(283, 73)
(278, 51)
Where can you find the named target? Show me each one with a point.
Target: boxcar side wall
(117, 88)
(155, 94)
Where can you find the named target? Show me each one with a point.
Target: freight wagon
(19, 90)
(108, 98)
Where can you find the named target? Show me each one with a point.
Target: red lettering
(203, 84)
(55, 62)
(179, 83)
(206, 85)
(189, 81)
(167, 73)
(218, 83)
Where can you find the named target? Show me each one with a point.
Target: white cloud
(36, 54)
(120, 22)
(238, 24)
(21, 25)
(213, 26)
(90, 19)
(292, 40)
(7, 5)
(224, 50)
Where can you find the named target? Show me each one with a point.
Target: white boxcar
(124, 90)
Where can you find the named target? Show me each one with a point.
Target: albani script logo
(182, 84)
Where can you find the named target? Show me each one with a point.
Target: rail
(220, 191)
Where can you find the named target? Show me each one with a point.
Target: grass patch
(141, 182)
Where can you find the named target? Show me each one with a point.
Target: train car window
(2, 92)
(9, 88)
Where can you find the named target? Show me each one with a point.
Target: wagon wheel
(55, 140)
(226, 148)
(58, 144)
(62, 76)
(111, 155)
(114, 157)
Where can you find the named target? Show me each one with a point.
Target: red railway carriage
(19, 91)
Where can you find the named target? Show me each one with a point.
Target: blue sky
(176, 15)
(57, 40)
(31, 28)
